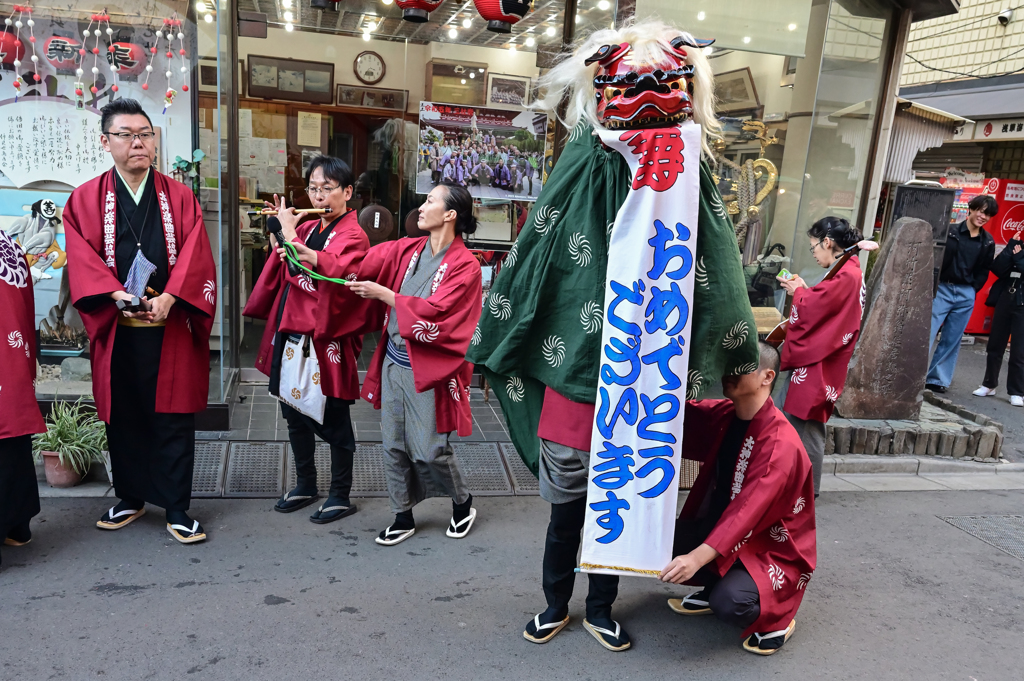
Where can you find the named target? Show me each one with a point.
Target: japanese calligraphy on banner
(49, 139)
(637, 436)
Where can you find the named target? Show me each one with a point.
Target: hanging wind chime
(171, 31)
(19, 48)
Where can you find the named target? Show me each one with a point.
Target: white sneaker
(984, 392)
(1017, 400)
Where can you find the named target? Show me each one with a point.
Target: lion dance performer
(640, 99)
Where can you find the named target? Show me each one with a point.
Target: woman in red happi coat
(426, 295)
(824, 323)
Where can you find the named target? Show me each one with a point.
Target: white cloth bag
(300, 379)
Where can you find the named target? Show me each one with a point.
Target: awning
(975, 98)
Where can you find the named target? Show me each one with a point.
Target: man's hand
(685, 567)
(373, 291)
(124, 295)
(161, 306)
(287, 216)
(303, 254)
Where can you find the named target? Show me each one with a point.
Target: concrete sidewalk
(899, 593)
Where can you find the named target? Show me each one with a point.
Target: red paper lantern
(418, 11)
(64, 54)
(10, 48)
(501, 14)
(127, 59)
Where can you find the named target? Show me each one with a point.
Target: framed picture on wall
(507, 92)
(291, 79)
(736, 91)
(207, 78)
(372, 97)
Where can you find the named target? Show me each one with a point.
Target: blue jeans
(951, 310)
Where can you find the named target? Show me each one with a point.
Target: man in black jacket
(1007, 297)
(969, 253)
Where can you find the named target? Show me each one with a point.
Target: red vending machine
(1009, 221)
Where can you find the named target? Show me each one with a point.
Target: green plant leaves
(74, 433)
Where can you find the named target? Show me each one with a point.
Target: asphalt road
(898, 594)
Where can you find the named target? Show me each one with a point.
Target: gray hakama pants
(418, 461)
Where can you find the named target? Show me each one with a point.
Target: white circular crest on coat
(554, 350)
(831, 394)
(579, 249)
(15, 340)
(591, 317)
(694, 384)
(514, 388)
(425, 332)
(736, 336)
(544, 220)
(477, 337)
(453, 390)
(210, 291)
(799, 375)
(511, 256)
(501, 307)
(799, 505)
(334, 353)
(777, 576)
(702, 274)
(779, 533)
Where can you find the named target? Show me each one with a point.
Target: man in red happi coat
(134, 231)
(288, 298)
(746, 533)
(19, 412)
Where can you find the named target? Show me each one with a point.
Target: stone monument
(889, 365)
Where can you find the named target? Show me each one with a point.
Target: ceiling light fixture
(200, 6)
(366, 36)
(550, 31)
(792, 27)
(603, 5)
(512, 48)
(388, 2)
(701, 16)
(452, 33)
(463, 81)
(209, 18)
(746, 39)
(472, 74)
(288, 17)
(289, 28)
(467, 23)
(530, 42)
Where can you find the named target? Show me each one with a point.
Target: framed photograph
(372, 98)
(206, 78)
(291, 79)
(736, 91)
(507, 92)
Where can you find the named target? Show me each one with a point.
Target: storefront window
(59, 67)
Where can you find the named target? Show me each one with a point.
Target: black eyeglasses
(130, 136)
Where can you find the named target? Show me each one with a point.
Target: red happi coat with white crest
(90, 225)
(769, 523)
(824, 324)
(437, 329)
(19, 412)
(339, 259)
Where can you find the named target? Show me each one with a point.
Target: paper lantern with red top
(63, 53)
(128, 59)
(501, 14)
(11, 48)
(418, 11)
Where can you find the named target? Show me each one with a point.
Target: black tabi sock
(403, 521)
(129, 505)
(179, 518)
(21, 533)
(461, 511)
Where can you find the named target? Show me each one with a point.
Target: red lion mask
(644, 95)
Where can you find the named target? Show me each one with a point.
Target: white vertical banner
(637, 437)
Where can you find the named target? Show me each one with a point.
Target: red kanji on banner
(661, 157)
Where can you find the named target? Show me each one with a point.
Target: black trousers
(336, 431)
(734, 598)
(152, 455)
(19, 491)
(1007, 322)
(560, 549)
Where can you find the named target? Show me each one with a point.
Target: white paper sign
(637, 436)
(245, 122)
(308, 129)
(50, 139)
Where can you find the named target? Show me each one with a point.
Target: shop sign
(963, 132)
(1007, 128)
(1014, 192)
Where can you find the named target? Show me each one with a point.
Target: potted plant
(73, 440)
(187, 172)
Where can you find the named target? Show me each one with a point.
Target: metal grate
(208, 474)
(368, 471)
(1005, 532)
(255, 469)
(322, 457)
(523, 481)
(482, 468)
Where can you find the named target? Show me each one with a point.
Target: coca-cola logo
(1013, 222)
(992, 186)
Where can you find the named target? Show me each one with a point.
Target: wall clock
(369, 68)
